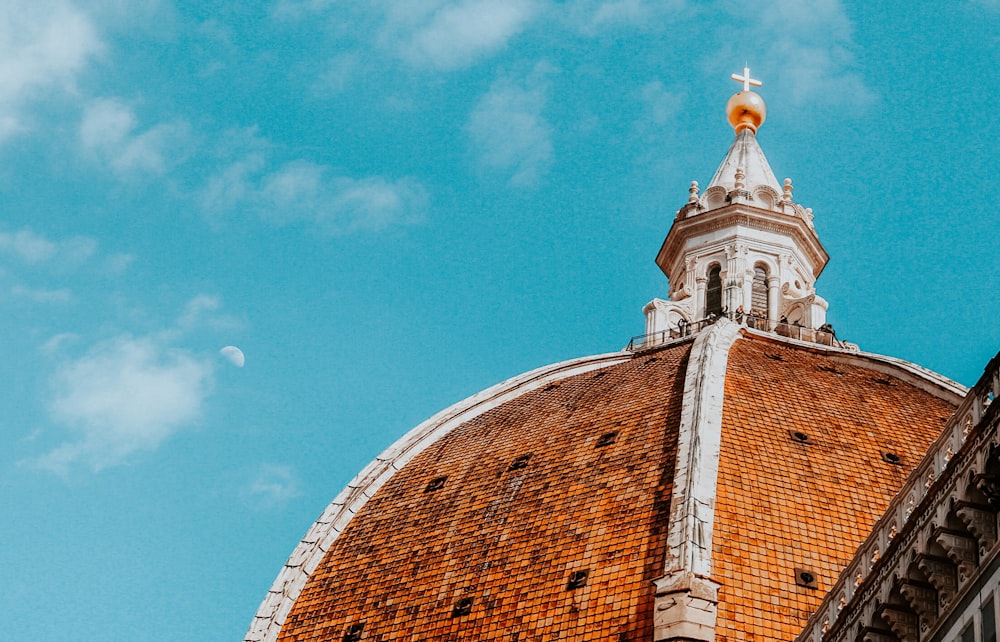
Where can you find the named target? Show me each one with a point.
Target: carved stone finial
(787, 189)
(693, 191)
(740, 178)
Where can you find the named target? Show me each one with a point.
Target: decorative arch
(714, 197)
(766, 196)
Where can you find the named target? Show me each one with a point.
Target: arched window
(758, 298)
(713, 295)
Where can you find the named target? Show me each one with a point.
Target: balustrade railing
(790, 330)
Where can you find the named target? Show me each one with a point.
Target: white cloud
(452, 35)
(116, 264)
(27, 246)
(108, 132)
(30, 247)
(124, 396)
(234, 186)
(56, 343)
(197, 309)
(296, 9)
(43, 46)
(434, 34)
(28, 259)
(304, 191)
(340, 72)
(810, 47)
(271, 487)
(594, 16)
(509, 133)
(660, 105)
(41, 295)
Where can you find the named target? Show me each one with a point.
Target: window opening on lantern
(759, 300)
(713, 293)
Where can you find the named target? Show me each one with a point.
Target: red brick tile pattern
(781, 504)
(510, 539)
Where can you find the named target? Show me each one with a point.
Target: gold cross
(746, 79)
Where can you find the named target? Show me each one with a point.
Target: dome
(708, 482)
(555, 504)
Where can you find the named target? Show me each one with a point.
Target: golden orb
(746, 110)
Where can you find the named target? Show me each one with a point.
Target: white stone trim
(310, 551)
(686, 596)
(692, 503)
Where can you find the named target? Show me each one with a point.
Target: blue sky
(388, 206)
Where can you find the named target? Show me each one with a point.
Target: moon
(234, 355)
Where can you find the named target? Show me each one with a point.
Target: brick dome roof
(545, 508)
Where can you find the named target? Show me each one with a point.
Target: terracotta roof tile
(782, 504)
(511, 539)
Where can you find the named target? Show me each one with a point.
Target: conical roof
(745, 154)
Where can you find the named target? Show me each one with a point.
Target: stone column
(747, 291)
(689, 275)
(699, 306)
(773, 292)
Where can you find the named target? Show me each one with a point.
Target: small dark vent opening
(599, 375)
(805, 578)
(577, 579)
(775, 357)
(650, 360)
(462, 607)
(831, 370)
(353, 633)
(606, 439)
(799, 436)
(551, 386)
(436, 484)
(520, 462)
(884, 381)
(892, 458)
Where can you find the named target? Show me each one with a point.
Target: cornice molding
(737, 215)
